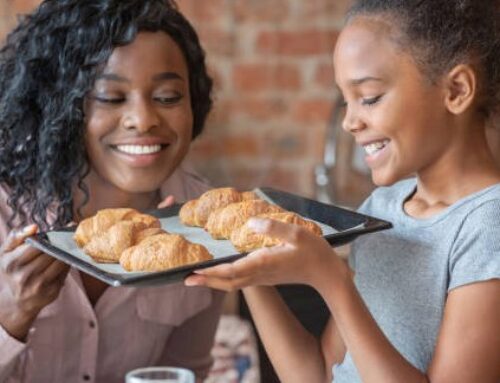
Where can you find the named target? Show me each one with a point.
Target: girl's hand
(168, 201)
(300, 259)
(32, 280)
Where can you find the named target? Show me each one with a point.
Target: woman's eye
(371, 101)
(168, 100)
(109, 100)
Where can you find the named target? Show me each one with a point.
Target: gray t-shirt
(404, 274)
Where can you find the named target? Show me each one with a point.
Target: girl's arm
(467, 347)
(296, 355)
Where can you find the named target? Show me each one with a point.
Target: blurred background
(274, 117)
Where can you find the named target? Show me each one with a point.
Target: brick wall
(271, 60)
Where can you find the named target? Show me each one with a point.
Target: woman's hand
(32, 280)
(301, 258)
(168, 201)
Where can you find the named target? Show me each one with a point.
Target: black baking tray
(347, 224)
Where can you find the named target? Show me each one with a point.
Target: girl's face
(392, 109)
(138, 116)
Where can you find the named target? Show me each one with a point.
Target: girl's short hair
(47, 67)
(439, 34)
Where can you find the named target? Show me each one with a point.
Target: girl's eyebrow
(158, 77)
(359, 81)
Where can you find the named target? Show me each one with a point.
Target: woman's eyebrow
(111, 77)
(158, 77)
(167, 76)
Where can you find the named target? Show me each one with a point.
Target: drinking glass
(160, 375)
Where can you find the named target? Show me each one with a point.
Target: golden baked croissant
(244, 239)
(108, 246)
(105, 218)
(163, 251)
(196, 212)
(223, 221)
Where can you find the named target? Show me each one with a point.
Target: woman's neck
(105, 195)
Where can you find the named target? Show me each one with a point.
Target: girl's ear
(461, 88)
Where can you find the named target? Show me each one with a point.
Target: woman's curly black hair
(439, 34)
(47, 67)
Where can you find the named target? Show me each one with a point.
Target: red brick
(203, 11)
(325, 75)
(283, 179)
(216, 40)
(312, 111)
(297, 43)
(317, 9)
(259, 77)
(240, 145)
(262, 108)
(259, 11)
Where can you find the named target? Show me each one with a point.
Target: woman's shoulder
(184, 184)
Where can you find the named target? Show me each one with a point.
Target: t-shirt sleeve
(476, 254)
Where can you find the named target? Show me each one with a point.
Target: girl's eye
(168, 100)
(371, 101)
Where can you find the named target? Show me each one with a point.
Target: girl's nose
(141, 116)
(352, 123)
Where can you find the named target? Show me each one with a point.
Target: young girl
(99, 101)
(420, 80)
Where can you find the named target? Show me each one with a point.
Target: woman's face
(392, 110)
(138, 116)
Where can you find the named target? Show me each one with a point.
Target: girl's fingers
(286, 232)
(217, 283)
(168, 201)
(17, 237)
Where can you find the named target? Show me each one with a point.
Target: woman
(99, 101)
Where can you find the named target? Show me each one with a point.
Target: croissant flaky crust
(244, 239)
(105, 218)
(224, 220)
(196, 212)
(163, 251)
(136, 240)
(107, 247)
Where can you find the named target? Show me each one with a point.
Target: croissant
(196, 212)
(105, 218)
(224, 220)
(245, 239)
(163, 251)
(108, 246)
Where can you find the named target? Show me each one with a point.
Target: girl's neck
(105, 195)
(466, 168)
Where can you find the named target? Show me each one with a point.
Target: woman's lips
(140, 155)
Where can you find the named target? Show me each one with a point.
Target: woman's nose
(141, 115)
